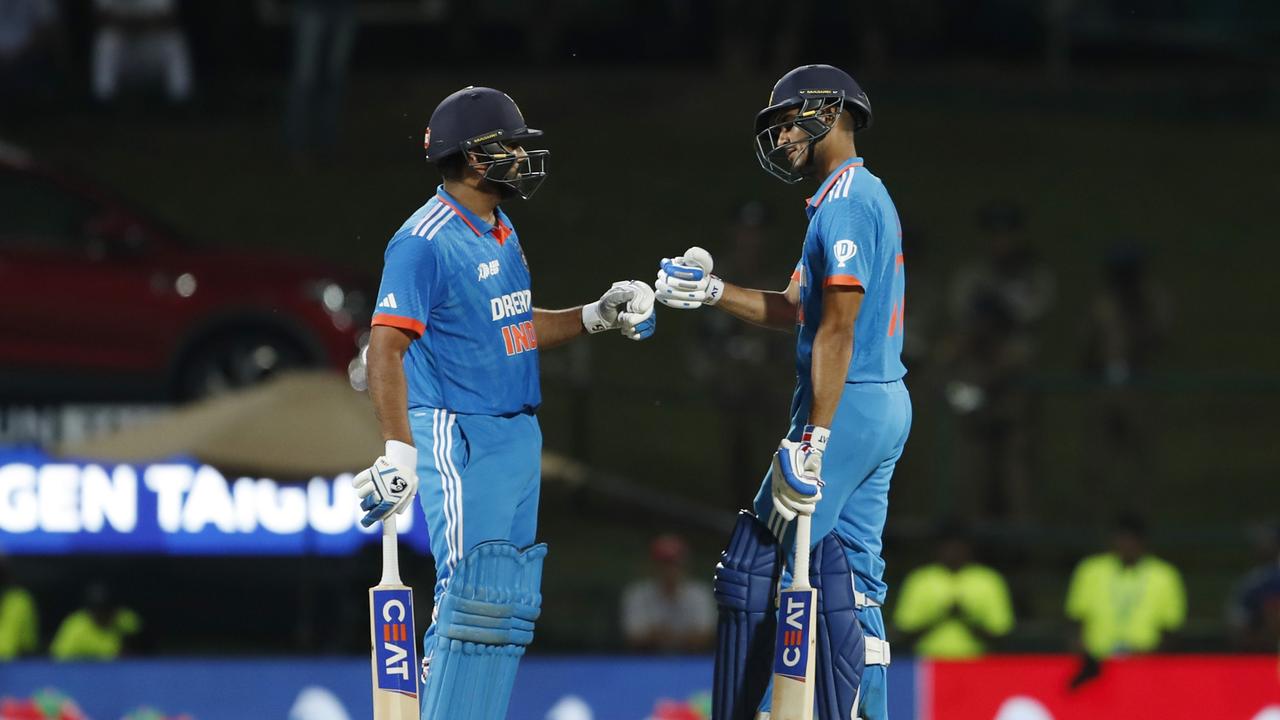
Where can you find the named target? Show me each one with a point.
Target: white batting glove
(796, 479)
(637, 320)
(389, 486)
(626, 306)
(686, 282)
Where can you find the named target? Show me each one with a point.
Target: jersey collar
(500, 232)
(812, 203)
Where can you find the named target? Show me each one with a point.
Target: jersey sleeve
(411, 284)
(849, 232)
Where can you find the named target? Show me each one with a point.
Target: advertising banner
(1171, 687)
(176, 507)
(547, 688)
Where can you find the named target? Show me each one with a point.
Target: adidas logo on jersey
(389, 301)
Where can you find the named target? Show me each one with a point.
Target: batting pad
(746, 578)
(484, 623)
(842, 650)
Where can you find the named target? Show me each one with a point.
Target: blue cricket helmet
(472, 116)
(814, 90)
(485, 122)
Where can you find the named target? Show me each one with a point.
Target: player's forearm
(761, 307)
(557, 327)
(389, 392)
(832, 351)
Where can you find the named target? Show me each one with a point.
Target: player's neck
(836, 155)
(482, 203)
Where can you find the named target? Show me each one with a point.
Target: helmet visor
(518, 170)
(814, 117)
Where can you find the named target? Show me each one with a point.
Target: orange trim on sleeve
(397, 321)
(795, 275)
(848, 280)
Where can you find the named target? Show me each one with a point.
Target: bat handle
(800, 576)
(390, 552)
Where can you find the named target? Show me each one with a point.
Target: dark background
(1113, 124)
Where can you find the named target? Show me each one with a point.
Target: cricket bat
(394, 642)
(795, 651)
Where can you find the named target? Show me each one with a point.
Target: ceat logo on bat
(792, 654)
(394, 641)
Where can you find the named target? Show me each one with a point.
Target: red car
(99, 302)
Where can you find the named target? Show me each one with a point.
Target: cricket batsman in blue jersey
(453, 375)
(850, 416)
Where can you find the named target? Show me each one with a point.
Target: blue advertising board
(176, 507)
(547, 688)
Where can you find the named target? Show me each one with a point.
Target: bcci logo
(398, 485)
(845, 250)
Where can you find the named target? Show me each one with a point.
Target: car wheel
(237, 360)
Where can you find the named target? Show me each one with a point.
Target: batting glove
(796, 479)
(626, 306)
(389, 486)
(686, 282)
(637, 320)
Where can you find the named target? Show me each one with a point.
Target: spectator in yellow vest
(99, 631)
(1127, 600)
(955, 607)
(18, 622)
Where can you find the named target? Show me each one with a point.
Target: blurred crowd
(1124, 600)
(141, 53)
(100, 630)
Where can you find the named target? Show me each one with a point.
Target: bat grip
(390, 552)
(800, 575)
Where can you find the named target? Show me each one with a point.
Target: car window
(36, 213)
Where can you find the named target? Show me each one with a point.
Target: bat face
(395, 678)
(793, 658)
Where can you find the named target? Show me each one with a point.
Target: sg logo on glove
(389, 486)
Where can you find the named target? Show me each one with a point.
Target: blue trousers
(867, 437)
(478, 480)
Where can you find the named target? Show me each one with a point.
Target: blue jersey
(461, 286)
(854, 239)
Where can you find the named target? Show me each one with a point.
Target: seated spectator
(19, 627)
(140, 39)
(668, 612)
(99, 631)
(1127, 600)
(955, 607)
(1254, 610)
